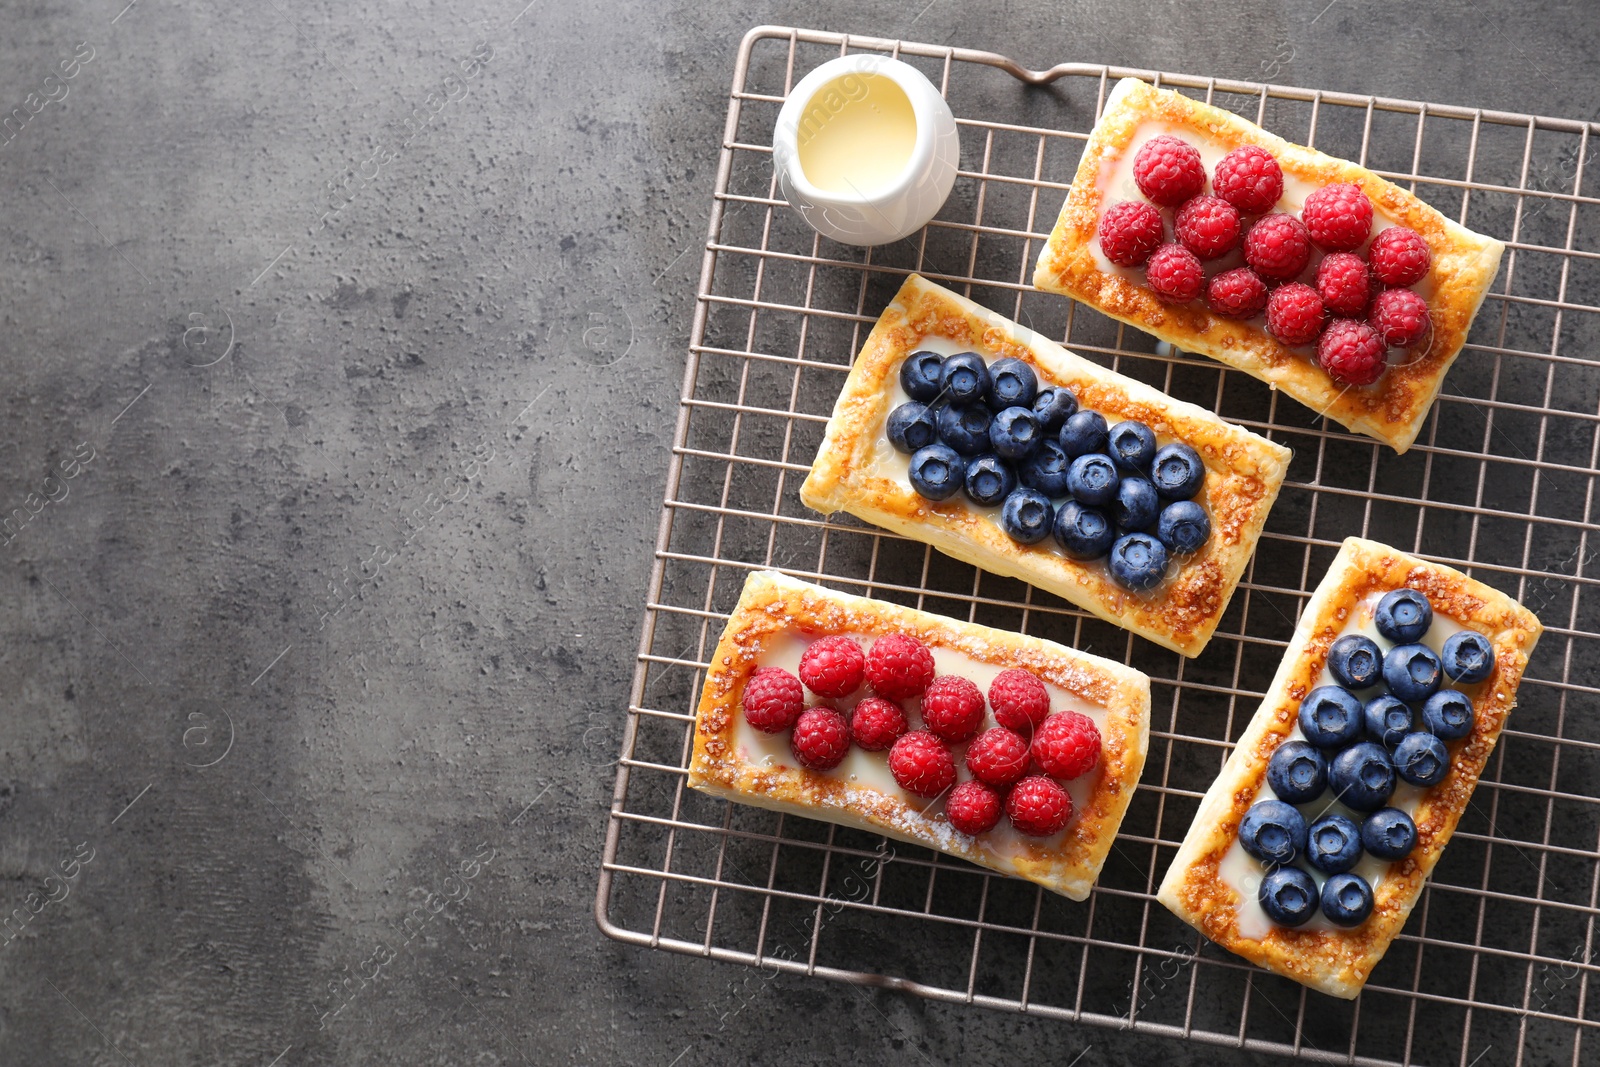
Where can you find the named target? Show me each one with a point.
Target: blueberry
(1356, 661)
(1388, 719)
(1333, 843)
(1083, 533)
(1288, 895)
(1273, 832)
(919, 375)
(988, 480)
(1346, 899)
(1133, 446)
(1362, 777)
(1447, 715)
(1012, 383)
(1026, 515)
(1412, 672)
(910, 427)
(964, 379)
(1389, 834)
(1054, 405)
(965, 428)
(1403, 616)
(1136, 505)
(1331, 717)
(1092, 479)
(1420, 758)
(1177, 472)
(1046, 469)
(1297, 772)
(1083, 433)
(1015, 433)
(1138, 561)
(1468, 657)
(1184, 527)
(937, 472)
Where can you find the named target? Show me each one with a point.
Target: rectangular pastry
(1312, 846)
(1138, 507)
(1371, 290)
(874, 716)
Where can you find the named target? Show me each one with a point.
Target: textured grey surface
(473, 365)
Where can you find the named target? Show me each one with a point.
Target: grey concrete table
(322, 602)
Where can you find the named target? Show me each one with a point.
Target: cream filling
(870, 770)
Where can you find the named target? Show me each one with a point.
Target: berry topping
(1331, 717)
(772, 700)
(1237, 294)
(964, 378)
(998, 757)
(1129, 232)
(972, 808)
(1012, 384)
(1343, 283)
(876, 723)
(1403, 616)
(1046, 469)
(1132, 445)
(899, 667)
(1019, 700)
(1184, 527)
(1093, 479)
(1026, 516)
(1338, 216)
(964, 427)
(1346, 899)
(1249, 179)
(919, 375)
(1389, 834)
(1054, 405)
(821, 739)
(921, 764)
(1174, 274)
(1083, 433)
(1138, 561)
(1273, 832)
(1136, 506)
(1362, 776)
(833, 666)
(1277, 247)
(1038, 806)
(936, 472)
(1208, 226)
(1399, 256)
(1083, 533)
(953, 707)
(1448, 715)
(1468, 657)
(1066, 745)
(910, 427)
(1288, 895)
(1355, 661)
(1297, 772)
(1177, 472)
(1015, 432)
(1388, 719)
(1295, 314)
(1333, 843)
(1351, 352)
(1168, 171)
(1412, 671)
(1421, 759)
(1401, 317)
(989, 480)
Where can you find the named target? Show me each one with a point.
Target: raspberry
(821, 739)
(1067, 745)
(1399, 256)
(1038, 806)
(1343, 284)
(921, 764)
(1129, 232)
(1168, 170)
(1400, 317)
(1208, 226)
(1351, 352)
(998, 757)
(1019, 700)
(1338, 216)
(899, 667)
(1175, 274)
(1249, 179)
(1238, 293)
(952, 707)
(833, 666)
(1295, 314)
(972, 808)
(875, 723)
(772, 700)
(1277, 247)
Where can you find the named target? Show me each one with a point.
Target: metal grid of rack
(1499, 958)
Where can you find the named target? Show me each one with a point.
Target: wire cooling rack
(1498, 963)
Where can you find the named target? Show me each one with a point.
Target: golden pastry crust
(1244, 471)
(1393, 409)
(773, 606)
(1338, 962)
